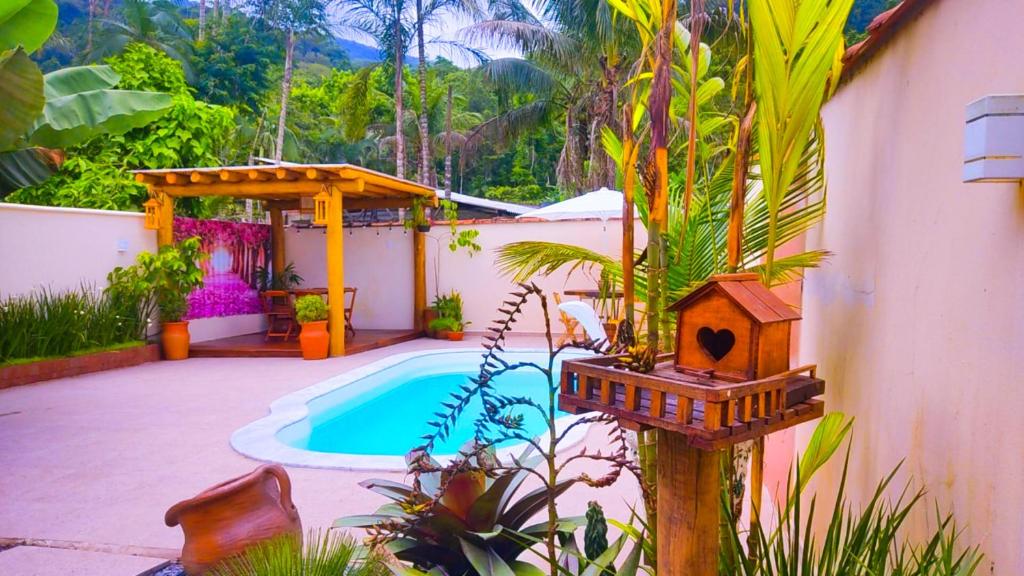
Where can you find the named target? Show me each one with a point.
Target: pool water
(386, 413)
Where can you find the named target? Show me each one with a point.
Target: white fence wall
(62, 248)
(378, 261)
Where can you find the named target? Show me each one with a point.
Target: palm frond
(523, 260)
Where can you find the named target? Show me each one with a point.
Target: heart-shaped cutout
(716, 344)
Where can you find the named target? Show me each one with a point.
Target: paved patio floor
(96, 460)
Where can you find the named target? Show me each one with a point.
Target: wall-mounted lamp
(994, 139)
(320, 204)
(152, 221)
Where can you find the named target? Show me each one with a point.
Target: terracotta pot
(610, 328)
(314, 340)
(175, 340)
(429, 315)
(455, 336)
(227, 518)
(441, 334)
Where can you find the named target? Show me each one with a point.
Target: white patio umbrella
(603, 205)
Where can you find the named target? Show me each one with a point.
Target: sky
(448, 28)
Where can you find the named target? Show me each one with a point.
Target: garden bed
(21, 373)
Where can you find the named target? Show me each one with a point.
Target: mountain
(359, 54)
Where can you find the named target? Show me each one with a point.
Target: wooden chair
(350, 305)
(280, 311)
(568, 322)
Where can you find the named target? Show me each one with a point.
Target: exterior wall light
(320, 204)
(152, 219)
(994, 139)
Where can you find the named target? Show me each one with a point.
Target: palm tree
(425, 15)
(292, 18)
(571, 74)
(387, 23)
(156, 24)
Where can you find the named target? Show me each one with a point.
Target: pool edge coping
(258, 439)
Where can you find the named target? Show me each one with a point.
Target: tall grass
(52, 324)
(858, 541)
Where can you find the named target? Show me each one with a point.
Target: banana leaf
(75, 79)
(26, 23)
(78, 117)
(21, 91)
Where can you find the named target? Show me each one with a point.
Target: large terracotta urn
(314, 340)
(175, 340)
(225, 519)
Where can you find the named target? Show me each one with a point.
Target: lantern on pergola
(321, 202)
(152, 221)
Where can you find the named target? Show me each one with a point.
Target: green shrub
(444, 324)
(160, 281)
(532, 194)
(49, 324)
(310, 308)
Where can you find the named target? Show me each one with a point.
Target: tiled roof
(882, 29)
(746, 290)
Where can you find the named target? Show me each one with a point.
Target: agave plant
(323, 554)
(461, 513)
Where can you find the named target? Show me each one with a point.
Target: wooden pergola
(283, 187)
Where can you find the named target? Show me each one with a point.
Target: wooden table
(593, 293)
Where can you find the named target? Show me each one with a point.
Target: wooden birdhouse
(728, 382)
(733, 328)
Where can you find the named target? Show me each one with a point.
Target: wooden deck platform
(255, 346)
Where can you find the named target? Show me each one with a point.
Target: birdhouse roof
(749, 294)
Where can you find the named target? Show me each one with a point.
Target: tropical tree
(157, 24)
(45, 113)
(797, 48)
(427, 14)
(571, 74)
(292, 19)
(390, 26)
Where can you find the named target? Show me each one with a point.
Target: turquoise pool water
(386, 413)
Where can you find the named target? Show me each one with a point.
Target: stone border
(32, 372)
(258, 440)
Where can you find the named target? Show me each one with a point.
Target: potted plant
(449, 323)
(455, 333)
(162, 282)
(311, 312)
(176, 272)
(429, 315)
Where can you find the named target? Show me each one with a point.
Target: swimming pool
(370, 417)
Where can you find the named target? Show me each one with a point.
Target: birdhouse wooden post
(728, 381)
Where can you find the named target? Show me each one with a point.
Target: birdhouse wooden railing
(711, 411)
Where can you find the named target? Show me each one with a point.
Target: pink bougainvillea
(236, 250)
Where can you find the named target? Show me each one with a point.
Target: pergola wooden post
(165, 233)
(336, 272)
(419, 260)
(277, 259)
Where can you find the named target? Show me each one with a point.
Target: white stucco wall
(62, 248)
(917, 322)
(378, 261)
